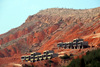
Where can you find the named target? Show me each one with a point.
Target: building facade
(35, 56)
(76, 44)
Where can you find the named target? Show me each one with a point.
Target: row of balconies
(76, 44)
(35, 56)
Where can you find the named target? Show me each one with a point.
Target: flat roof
(34, 52)
(45, 50)
(27, 55)
(39, 55)
(23, 56)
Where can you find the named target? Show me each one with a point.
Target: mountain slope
(45, 29)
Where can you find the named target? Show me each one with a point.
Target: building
(75, 44)
(27, 58)
(23, 58)
(35, 53)
(35, 56)
(32, 58)
(48, 51)
(60, 44)
(41, 57)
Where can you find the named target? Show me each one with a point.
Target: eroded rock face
(9, 51)
(43, 31)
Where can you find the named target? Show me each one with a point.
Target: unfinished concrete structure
(27, 58)
(35, 53)
(48, 51)
(35, 56)
(60, 44)
(76, 44)
(23, 58)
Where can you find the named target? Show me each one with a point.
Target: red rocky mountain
(42, 31)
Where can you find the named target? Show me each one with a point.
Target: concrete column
(66, 47)
(79, 47)
(82, 47)
(71, 47)
(74, 47)
(58, 47)
(22, 60)
(63, 47)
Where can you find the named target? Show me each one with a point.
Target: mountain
(42, 31)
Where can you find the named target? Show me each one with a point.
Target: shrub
(65, 57)
(92, 59)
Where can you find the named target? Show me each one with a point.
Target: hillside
(45, 29)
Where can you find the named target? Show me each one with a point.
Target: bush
(92, 59)
(50, 61)
(65, 57)
(30, 50)
(75, 63)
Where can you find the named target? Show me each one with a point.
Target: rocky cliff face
(45, 29)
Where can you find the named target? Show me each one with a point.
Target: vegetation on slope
(92, 59)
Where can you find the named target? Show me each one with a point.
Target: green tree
(82, 63)
(65, 57)
(50, 62)
(92, 59)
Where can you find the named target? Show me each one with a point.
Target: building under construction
(76, 44)
(35, 56)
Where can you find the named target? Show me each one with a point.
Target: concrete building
(70, 45)
(23, 58)
(60, 45)
(41, 57)
(76, 44)
(32, 60)
(35, 56)
(35, 53)
(48, 51)
(44, 56)
(27, 58)
(47, 54)
(50, 56)
(64, 45)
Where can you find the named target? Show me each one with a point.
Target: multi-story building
(35, 53)
(23, 58)
(48, 51)
(27, 58)
(76, 44)
(35, 56)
